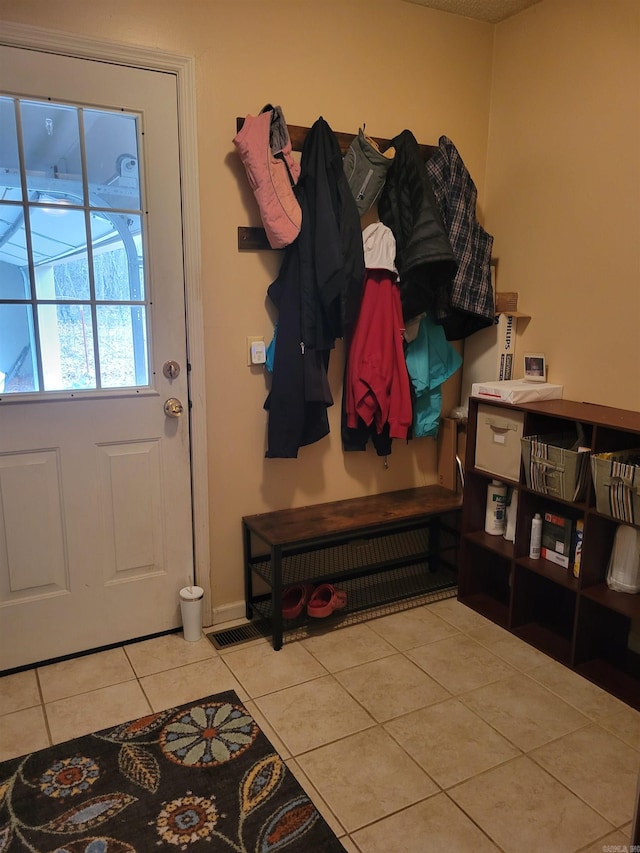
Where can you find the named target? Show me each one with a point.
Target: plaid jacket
(472, 301)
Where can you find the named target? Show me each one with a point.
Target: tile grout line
(43, 706)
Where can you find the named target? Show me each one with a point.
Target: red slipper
(294, 599)
(325, 599)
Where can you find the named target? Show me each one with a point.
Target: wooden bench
(380, 548)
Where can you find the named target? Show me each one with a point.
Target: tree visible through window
(73, 302)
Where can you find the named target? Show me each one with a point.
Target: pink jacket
(265, 150)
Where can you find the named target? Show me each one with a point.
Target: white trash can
(191, 610)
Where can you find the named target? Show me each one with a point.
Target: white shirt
(379, 248)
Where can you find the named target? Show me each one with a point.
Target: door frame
(152, 59)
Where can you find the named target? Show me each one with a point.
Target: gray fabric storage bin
(553, 469)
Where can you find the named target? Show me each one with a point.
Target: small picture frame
(535, 367)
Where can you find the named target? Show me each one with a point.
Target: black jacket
(330, 242)
(424, 257)
(317, 294)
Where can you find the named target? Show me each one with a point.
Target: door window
(73, 301)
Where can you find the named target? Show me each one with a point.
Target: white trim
(234, 612)
(18, 35)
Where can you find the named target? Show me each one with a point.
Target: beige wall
(562, 194)
(390, 64)
(563, 218)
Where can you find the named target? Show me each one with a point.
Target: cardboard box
(557, 539)
(517, 391)
(489, 354)
(498, 436)
(552, 468)
(506, 302)
(616, 480)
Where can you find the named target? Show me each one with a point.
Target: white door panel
(130, 486)
(95, 491)
(32, 555)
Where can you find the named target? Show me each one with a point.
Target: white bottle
(536, 537)
(495, 517)
(511, 511)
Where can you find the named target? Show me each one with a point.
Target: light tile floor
(430, 729)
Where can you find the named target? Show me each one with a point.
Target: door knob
(173, 408)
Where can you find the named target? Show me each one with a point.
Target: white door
(95, 489)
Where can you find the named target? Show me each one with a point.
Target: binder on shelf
(557, 539)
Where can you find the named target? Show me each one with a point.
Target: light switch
(256, 351)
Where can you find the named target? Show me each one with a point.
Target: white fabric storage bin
(498, 441)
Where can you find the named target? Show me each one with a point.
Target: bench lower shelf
(369, 596)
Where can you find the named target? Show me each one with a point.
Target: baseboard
(229, 613)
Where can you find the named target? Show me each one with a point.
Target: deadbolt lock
(171, 369)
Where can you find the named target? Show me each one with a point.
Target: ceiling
(492, 11)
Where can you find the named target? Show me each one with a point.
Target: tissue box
(516, 391)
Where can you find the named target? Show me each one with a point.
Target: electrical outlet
(253, 340)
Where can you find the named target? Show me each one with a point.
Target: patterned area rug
(198, 777)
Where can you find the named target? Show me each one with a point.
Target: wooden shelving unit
(578, 621)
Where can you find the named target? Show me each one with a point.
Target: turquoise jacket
(430, 361)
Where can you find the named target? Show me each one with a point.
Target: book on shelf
(584, 460)
(557, 539)
(577, 547)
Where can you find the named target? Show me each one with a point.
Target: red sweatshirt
(377, 382)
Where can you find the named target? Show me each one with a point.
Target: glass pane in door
(52, 153)
(73, 299)
(111, 141)
(123, 346)
(10, 183)
(66, 339)
(14, 272)
(18, 364)
(118, 262)
(59, 245)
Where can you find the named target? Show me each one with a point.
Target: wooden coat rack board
(255, 239)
